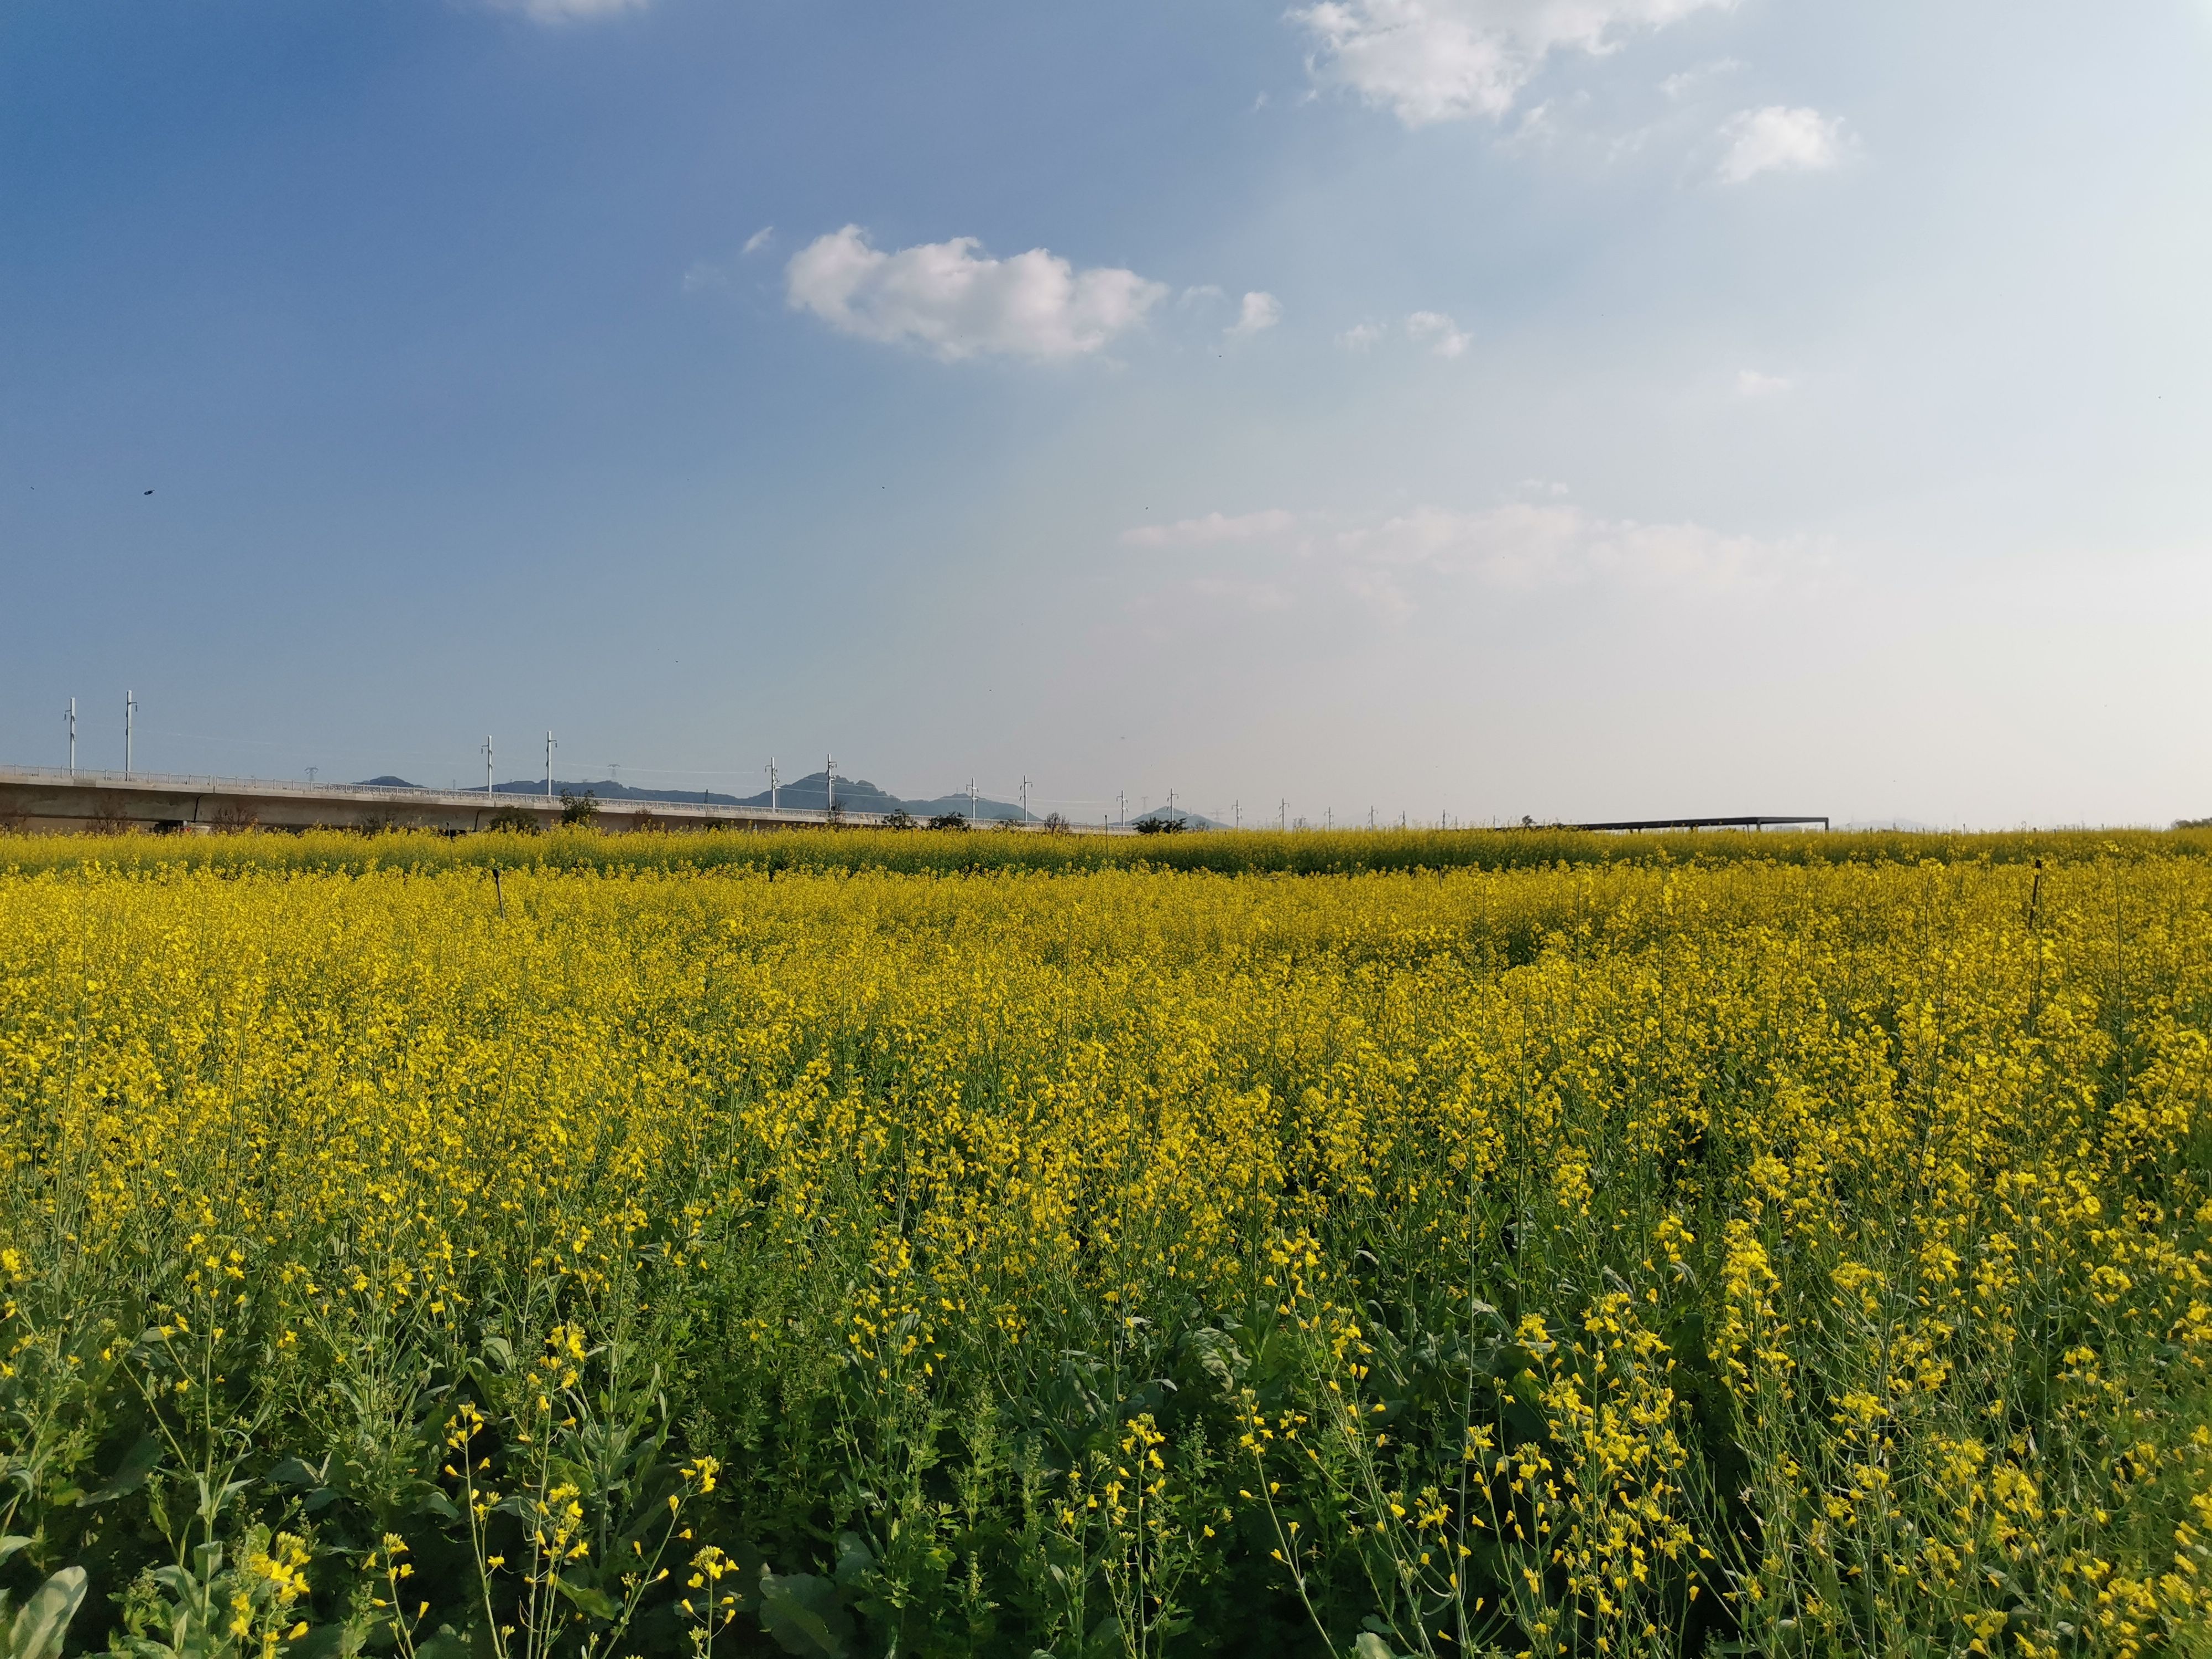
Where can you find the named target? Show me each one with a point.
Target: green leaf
(596, 1603)
(436, 1502)
(1371, 1646)
(804, 1614)
(293, 1473)
(854, 1562)
(130, 1474)
(323, 1641)
(38, 1628)
(11, 1543)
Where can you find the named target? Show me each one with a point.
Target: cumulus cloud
(1443, 334)
(1443, 60)
(1750, 383)
(1360, 336)
(1777, 139)
(760, 238)
(957, 301)
(1259, 313)
(568, 11)
(1214, 530)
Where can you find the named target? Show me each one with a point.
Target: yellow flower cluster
(1608, 1259)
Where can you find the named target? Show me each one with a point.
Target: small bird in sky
(149, 492)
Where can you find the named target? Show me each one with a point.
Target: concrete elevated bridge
(52, 798)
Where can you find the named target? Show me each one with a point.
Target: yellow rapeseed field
(1626, 1258)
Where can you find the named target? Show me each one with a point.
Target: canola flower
(1608, 1259)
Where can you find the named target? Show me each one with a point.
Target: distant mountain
(388, 781)
(810, 793)
(858, 795)
(1175, 815)
(608, 789)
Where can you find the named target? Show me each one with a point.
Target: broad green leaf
(436, 1502)
(45, 1619)
(804, 1615)
(130, 1474)
(597, 1602)
(854, 1562)
(323, 1641)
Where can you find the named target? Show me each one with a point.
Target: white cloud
(1259, 313)
(1689, 80)
(1523, 547)
(1780, 140)
(1750, 383)
(1438, 328)
(760, 238)
(1360, 336)
(1214, 530)
(568, 11)
(1526, 545)
(1442, 60)
(958, 301)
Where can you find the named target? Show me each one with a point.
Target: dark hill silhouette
(1175, 815)
(810, 793)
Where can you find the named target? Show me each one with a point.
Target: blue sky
(1563, 407)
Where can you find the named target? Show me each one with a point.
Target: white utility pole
(72, 725)
(1236, 814)
(487, 768)
(971, 800)
(550, 747)
(830, 779)
(1026, 798)
(1170, 806)
(129, 708)
(1283, 807)
(1125, 809)
(772, 781)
